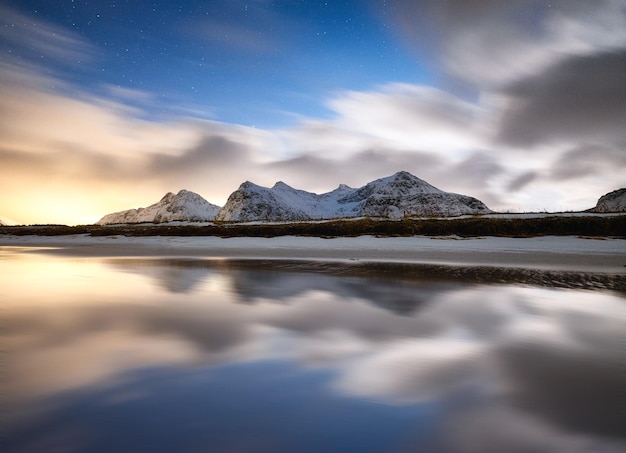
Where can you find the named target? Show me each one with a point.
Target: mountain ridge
(394, 196)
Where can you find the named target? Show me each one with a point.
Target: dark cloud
(584, 161)
(522, 181)
(487, 42)
(471, 176)
(212, 155)
(581, 99)
(324, 174)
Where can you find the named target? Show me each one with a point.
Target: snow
(546, 252)
(184, 206)
(5, 221)
(612, 202)
(533, 215)
(394, 197)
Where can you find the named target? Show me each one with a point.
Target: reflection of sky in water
(131, 355)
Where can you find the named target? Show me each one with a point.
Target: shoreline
(548, 253)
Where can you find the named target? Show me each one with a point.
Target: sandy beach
(547, 253)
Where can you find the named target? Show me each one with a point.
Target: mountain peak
(184, 206)
(402, 182)
(248, 185)
(281, 185)
(403, 176)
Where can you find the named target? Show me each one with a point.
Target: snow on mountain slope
(6, 221)
(612, 202)
(394, 197)
(184, 206)
(253, 202)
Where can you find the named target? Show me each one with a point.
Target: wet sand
(553, 253)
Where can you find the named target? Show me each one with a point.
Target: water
(128, 355)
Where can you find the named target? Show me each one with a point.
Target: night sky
(108, 105)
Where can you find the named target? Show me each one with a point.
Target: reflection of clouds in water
(489, 426)
(566, 362)
(412, 371)
(538, 360)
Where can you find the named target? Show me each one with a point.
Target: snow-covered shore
(548, 252)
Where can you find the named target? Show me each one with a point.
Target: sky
(108, 105)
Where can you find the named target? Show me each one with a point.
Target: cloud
(33, 38)
(414, 116)
(321, 173)
(590, 161)
(488, 43)
(42, 113)
(582, 99)
(522, 181)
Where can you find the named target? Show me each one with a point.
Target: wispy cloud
(35, 39)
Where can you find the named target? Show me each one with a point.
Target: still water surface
(128, 355)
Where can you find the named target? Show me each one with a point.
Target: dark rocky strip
(614, 226)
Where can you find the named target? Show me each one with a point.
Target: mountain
(5, 221)
(394, 197)
(184, 206)
(612, 202)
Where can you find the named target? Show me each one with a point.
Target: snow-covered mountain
(6, 221)
(612, 202)
(394, 197)
(184, 206)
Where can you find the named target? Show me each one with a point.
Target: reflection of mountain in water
(400, 297)
(411, 283)
(175, 276)
(251, 282)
